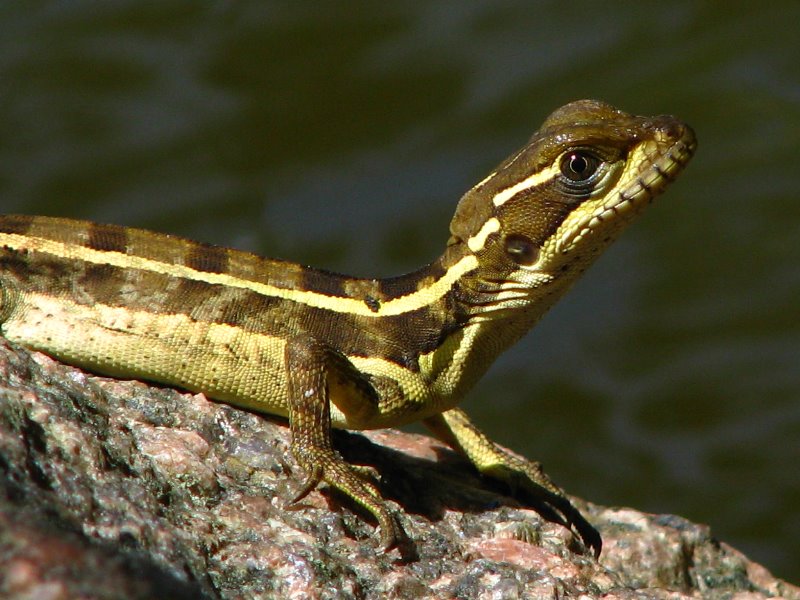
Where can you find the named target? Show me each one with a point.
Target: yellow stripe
(537, 178)
(408, 303)
(478, 241)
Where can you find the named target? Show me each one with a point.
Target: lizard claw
(312, 480)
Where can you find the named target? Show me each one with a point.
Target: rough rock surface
(114, 489)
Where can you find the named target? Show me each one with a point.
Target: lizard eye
(521, 249)
(579, 165)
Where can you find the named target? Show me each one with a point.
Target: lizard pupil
(579, 166)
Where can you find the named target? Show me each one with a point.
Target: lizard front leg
(313, 370)
(455, 429)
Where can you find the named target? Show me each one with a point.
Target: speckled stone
(114, 489)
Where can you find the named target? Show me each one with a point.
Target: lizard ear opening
(521, 249)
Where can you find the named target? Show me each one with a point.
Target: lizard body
(328, 350)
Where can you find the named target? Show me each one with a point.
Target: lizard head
(539, 219)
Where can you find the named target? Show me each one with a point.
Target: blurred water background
(343, 134)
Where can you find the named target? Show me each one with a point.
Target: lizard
(327, 350)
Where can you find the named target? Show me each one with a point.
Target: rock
(117, 489)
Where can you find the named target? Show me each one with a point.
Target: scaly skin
(327, 350)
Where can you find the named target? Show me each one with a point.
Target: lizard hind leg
(311, 366)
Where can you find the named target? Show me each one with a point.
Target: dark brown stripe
(104, 283)
(323, 282)
(208, 258)
(190, 297)
(216, 303)
(249, 310)
(234, 312)
(547, 202)
(395, 287)
(36, 271)
(15, 223)
(404, 337)
(107, 238)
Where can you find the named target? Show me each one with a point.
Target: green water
(343, 137)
